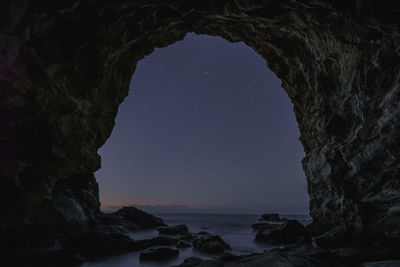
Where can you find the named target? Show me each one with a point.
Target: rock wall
(65, 66)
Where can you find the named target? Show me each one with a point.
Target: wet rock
(288, 233)
(197, 262)
(183, 244)
(155, 241)
(173, 230)
(158, 253)
(213, 244)
(272, 217)
(138, 217)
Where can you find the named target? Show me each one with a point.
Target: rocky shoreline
(293, 245)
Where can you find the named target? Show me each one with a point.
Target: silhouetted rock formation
(142, 219)
(263, 226)
(65, 67)
(213, 244)
(273, 217)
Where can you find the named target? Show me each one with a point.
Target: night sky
(206, 124)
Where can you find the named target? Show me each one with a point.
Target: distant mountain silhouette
(187, 209)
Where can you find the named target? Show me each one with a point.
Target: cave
(65, 68)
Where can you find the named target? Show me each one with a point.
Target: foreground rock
(158, 253)
(173, 230)
(138, 217)
(213, 244)
(197, 262)
(290, 232)
(302, 256)
(272, 217)
(96, 244)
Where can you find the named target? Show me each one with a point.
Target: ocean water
(235, 229)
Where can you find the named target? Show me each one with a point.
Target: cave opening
(206, 128)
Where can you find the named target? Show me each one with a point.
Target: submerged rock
(158, 253)
(289, 232)
(173, 230)
(213, 244)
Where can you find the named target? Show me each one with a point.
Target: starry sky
(206, 125)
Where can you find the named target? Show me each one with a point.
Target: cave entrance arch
(339, 66)
(205, 124)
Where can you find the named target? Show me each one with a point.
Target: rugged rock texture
(65, 67)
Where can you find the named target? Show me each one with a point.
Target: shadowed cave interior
(339, 62)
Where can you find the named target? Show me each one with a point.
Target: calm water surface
(235, 229)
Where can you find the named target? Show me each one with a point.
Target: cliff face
(66, 66)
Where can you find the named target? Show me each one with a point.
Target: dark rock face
(339, 62)
(289, 232)
(213, 244)
(158, 253)
(173, 230)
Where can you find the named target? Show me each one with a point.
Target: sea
(235, 229)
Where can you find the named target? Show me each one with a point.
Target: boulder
(173, 230)
(183, 244)
(213, 244)
(263, 226)
(142, 219)
(272, 217)
(290, 232)
(158, 253)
